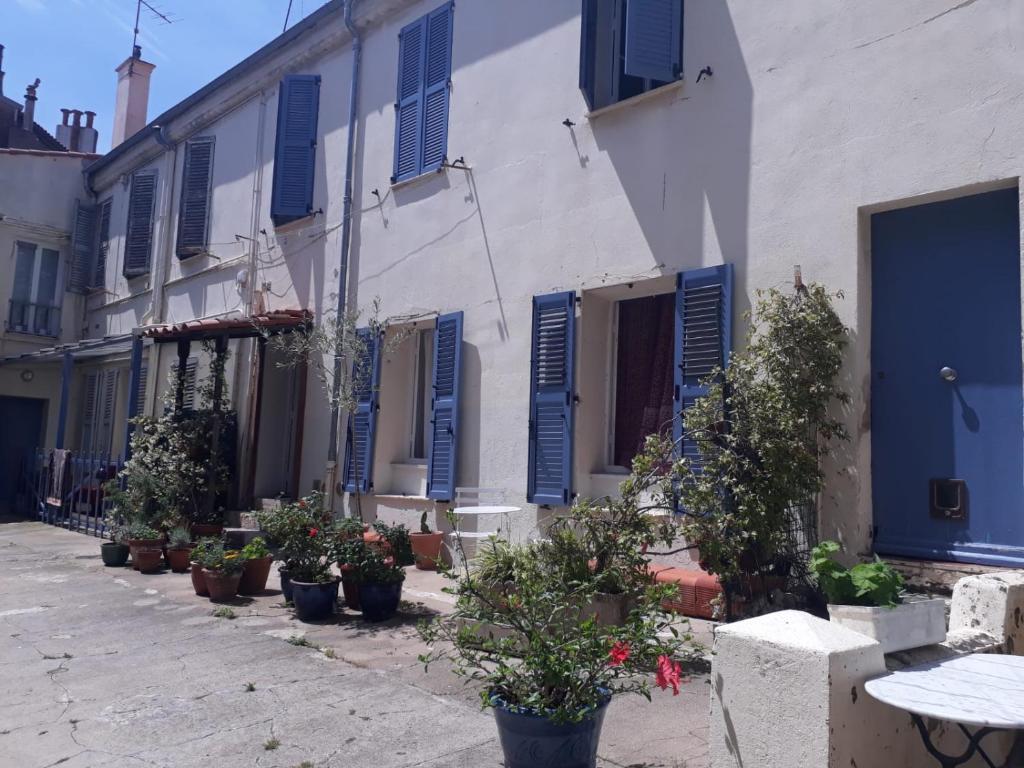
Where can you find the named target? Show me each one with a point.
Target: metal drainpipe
(346, 237)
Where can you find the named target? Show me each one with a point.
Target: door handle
(948, 374)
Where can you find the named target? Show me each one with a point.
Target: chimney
(132, 96)
(63, 133)
(75, 136)
(29, 115)
(88, 136)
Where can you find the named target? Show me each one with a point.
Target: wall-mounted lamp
(568, 123)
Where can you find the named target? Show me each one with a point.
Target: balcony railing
(36, 319)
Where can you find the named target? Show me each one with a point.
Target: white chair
(480, 504)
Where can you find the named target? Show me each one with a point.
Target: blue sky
(73, 46)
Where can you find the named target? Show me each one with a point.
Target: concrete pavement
(109, 667)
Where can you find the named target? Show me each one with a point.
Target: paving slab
(107, 666)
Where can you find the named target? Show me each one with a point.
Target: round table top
(982, 689)
(485, 510)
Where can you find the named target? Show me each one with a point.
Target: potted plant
(399, 545)
(139, 535)
(115, 552)
(868, 599)
(288, 528)
(222, 570)
(148, 559)
(351, 551)
(314, 587)
(550, 678)
(380, 585)
(256, 569)
(426, 545)
(179, 549)
(199, 552)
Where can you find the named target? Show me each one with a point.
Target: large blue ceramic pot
(379, 602)
(532, 741)
(314, 601)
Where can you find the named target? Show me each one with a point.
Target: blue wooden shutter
(82, 241)
(139, 238)
(138, 402)
(412, 51)
(295, 151)
(443, 451)
(551, 399)
(436, 86)
(703, 340)
(194, 213)
(654, 34)
(588, 38)
(99, 267)
(92, 385)
(362, 424)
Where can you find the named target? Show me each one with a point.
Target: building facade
(548, 199)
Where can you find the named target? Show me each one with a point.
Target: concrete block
(787, 693)
(992, 603)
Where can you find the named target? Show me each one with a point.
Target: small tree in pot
(314, 586)
(288, 528)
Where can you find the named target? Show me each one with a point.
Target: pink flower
(313, 532)
(669, 673)
(302, 503)
(618, 654)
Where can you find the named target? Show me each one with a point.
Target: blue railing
(36, 319)
(84, 502)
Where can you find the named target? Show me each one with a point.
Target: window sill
(398, 186)
(659, 92)
(401, 497)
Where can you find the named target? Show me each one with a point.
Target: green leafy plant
(271, 744)
(305, 535)
(214, 557)
(203, 546)
(349, 528)
(397, 537)
(255, 549)
(225, 612)
(365, 563)
(301, 641)
(876, 583)
(140, 530)
(179, 537)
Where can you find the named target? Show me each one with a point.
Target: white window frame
(33, 297)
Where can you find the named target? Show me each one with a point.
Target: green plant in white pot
(868, 598)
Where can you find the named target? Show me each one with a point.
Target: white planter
(911, 624)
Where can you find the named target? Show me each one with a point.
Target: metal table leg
(952, 761)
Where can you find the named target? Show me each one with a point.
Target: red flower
(313, 532)
(302, 503)
(618, 654)
(669, 673)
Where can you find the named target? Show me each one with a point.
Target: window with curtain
(643, 374)
(423, 369)
(34, 305)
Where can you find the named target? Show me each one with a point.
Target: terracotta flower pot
(179, 559)
(148, 559)
(349, 586)
(221, 586)
(255, 575)
(199, 580)
(135, 544)
(426, 548)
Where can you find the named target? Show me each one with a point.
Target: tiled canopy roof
(275, 321)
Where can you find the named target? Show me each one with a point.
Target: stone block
(992, 603)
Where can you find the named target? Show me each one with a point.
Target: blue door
(21, 433)
(947, 442)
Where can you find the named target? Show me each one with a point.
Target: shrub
(397, 536)
(876, 583)
(179, 537)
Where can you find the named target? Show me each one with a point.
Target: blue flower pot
(314, 601)
(532, 741)
(379, 602)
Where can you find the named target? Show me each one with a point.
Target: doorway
(279, 404)
(23, 420)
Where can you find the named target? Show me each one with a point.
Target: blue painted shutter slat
(362, 424)
(654, 39)
(442, 456)
(703, 340)
(588, 34)
(194, 215)
(139, 238)
(551, 399)
(435, 94)
(412, 51)
(295, 151)
(99, 274)
(81, 246)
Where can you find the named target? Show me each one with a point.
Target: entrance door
(21, 433)
(947, 441)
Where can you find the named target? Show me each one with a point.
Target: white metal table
(482, 511)
(984, 691)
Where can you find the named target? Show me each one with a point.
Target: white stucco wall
(812, 119)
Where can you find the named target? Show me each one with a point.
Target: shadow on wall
(471, 407)
(697, 152)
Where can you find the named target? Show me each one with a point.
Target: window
(34, 307)
(424, 78)
(194, 213)
(298, 105)
(99, 276)
(138, 247)
(423, 366)
(643, 376)
(629, 47)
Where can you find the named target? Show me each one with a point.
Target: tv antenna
(155, 13)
